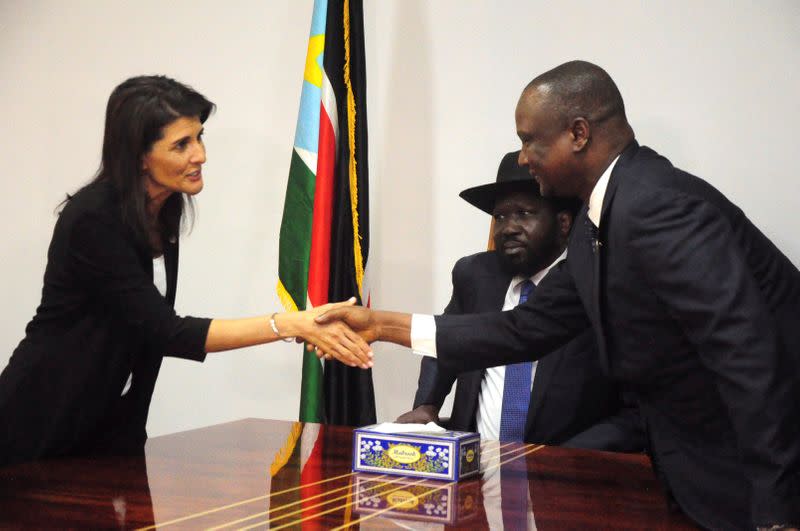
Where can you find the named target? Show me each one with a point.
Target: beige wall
(712, 85)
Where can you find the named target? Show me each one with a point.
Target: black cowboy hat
(510, 177)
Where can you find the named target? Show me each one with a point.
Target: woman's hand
(334, 339)
(356, 318)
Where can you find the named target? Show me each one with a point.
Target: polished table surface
(266, 474)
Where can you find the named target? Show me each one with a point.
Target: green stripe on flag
(295, 237)
(295, 245)
(311, 389)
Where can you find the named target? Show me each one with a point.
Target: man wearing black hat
(564, 398)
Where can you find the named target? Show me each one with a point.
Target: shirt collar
(599, 193)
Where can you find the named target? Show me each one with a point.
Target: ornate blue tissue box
(451, 455)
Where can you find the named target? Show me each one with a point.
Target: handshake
(343, 331)
(347, 330)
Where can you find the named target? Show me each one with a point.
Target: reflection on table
(259, 474)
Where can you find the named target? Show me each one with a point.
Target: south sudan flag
(324, 238)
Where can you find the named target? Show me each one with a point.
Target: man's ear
(580, 132)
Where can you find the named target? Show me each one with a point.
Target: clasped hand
(340, 331)
(344, 321)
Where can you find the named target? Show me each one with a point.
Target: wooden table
(258, 474)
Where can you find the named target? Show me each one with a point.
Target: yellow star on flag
(313, 73)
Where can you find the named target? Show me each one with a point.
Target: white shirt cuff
(423, 335)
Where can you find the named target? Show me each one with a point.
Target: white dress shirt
(160, 275)
(599, 193)
(490, 399)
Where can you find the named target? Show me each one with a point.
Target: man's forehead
(532, 105)
(535, 95)
(535, 112)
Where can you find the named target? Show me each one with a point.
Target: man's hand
(373, 325)
(421, 415)
(336, 341)
(319, 310)
(359, 319)
(370, 325)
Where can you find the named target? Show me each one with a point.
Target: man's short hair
(580, 89)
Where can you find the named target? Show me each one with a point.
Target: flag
(324, 237)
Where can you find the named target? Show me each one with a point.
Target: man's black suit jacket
(572, 401)
(101, 318)
(697, 311)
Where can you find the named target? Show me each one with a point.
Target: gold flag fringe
(283, 455)
(351, 138)
(286, 299)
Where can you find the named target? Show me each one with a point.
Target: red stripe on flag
(311, 489)
(320, 255)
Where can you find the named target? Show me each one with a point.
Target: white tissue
(393, 427)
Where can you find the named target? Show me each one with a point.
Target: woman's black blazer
(100, 319)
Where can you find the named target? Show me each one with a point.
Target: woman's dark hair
(138, 110)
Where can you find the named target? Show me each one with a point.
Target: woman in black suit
(81, 380)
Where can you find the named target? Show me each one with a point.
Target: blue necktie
(516, 389)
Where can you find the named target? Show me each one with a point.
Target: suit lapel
(613, 182)
(599, 247)
(585, 263)
(597, 281)
(492, 290)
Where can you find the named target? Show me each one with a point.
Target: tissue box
(451, 455)
(420, 500)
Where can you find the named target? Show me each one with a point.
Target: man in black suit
(568, 400)
(693, 307)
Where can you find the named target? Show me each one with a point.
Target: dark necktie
(594, 235)
(597, 249)
(516, 389)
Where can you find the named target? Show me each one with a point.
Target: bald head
(579, 89)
